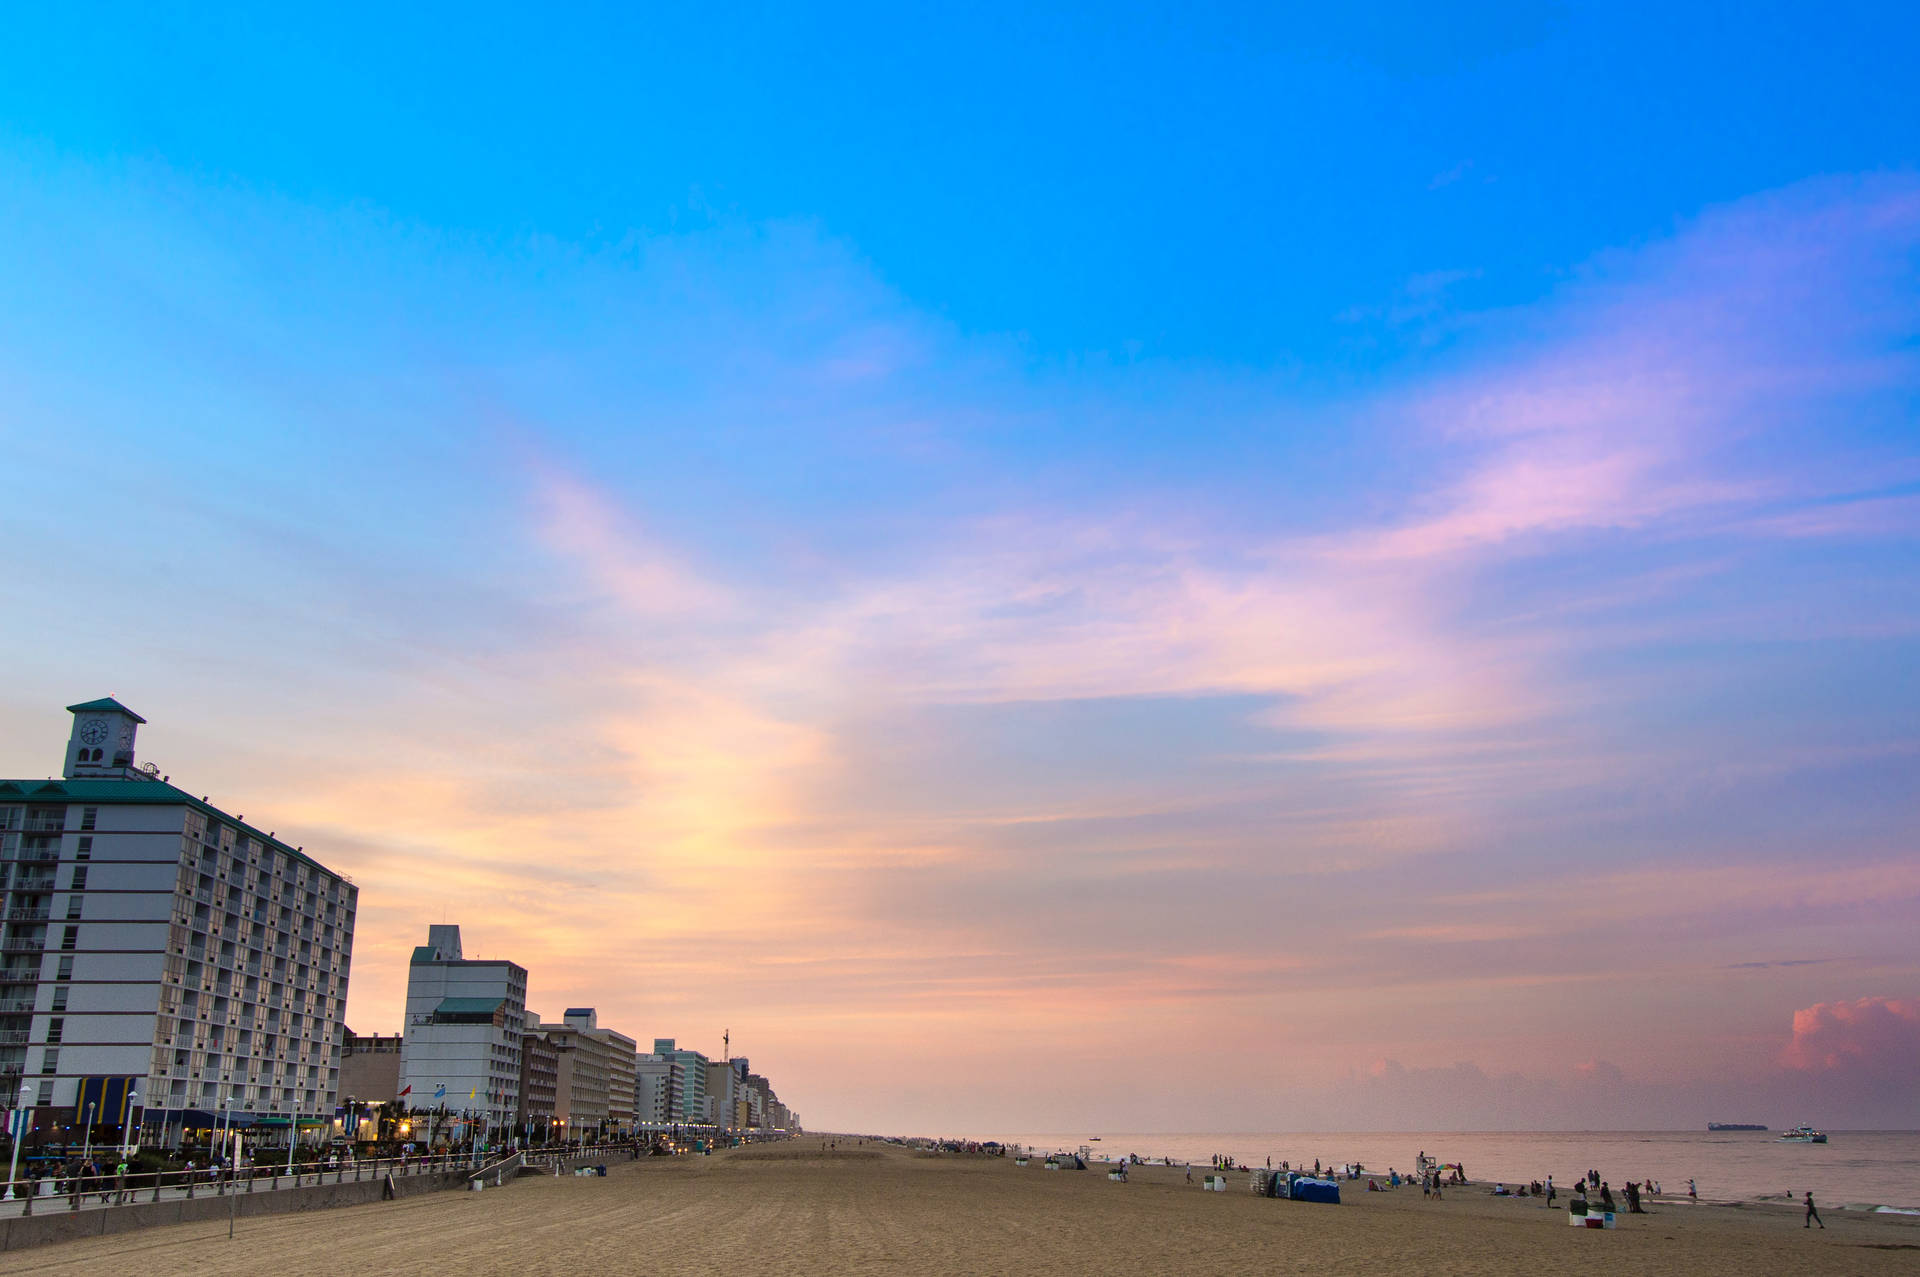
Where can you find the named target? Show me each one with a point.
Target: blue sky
(1321, 534)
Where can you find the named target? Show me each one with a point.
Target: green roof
(151, 793)
(108, 703)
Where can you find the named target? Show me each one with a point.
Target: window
(79, 878)
(59, 997)
(46, 1095)
(73, 906)
(88, 815)
(50, 1061)
(70, 937)
(66, 969)
(85, 851)
(56, 1029)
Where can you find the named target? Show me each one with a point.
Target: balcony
(29, 915)
(13, 1037)
(17, 944)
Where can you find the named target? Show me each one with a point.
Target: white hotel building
(465, 1019)
(154, 944)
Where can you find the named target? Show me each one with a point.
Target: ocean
(1859, 1168)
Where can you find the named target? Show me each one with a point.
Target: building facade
(652, 1091)
(687, 1099)
(465, 1022)
(539, 1086)
(163, 963)
(369, 1068)
(601, 1090)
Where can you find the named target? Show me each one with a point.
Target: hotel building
(599, 1065)
(687, 1088)
(465, 1021)
(162, 961)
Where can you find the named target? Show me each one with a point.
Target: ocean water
(1856, 1167)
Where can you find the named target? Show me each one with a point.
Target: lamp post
(86, 1146)
(126, 1124)
(19, 1137)
(226, 1115)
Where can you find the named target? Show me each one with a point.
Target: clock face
(95, 732)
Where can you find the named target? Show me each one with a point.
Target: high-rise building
(539, 1085)
(465, 1021)
(721, 1080)
(688, 1097)
(602, 1087)
(652, 1090)
(162, 961)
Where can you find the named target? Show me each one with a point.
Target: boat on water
(1803, 1135)
(1735, 1126)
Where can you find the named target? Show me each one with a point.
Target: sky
(1197, 569)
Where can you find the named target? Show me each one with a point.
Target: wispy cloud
(824, 685)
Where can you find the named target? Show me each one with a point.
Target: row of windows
(45, 819)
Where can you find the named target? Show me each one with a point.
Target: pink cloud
(1874, 1036)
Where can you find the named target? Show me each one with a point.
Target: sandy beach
(882, 1209)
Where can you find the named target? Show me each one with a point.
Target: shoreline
(1732, 1169)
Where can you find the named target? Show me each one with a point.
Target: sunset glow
(932, 597)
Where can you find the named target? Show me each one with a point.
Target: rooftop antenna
(726, 1044)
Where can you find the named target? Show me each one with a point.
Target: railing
(70, 1192)
(29, 915)
(13, 1037)
(18, 944)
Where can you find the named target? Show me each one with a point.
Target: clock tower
(101, 747)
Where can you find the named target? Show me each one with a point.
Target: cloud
(1875, 1037)
(834, 672)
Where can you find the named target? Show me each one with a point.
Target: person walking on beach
(1549, 1192)
(1693, 1194)
(1813, 1216)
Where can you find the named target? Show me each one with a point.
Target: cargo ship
(1734, 1126)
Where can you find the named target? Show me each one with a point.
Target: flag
(440, 1092)
(404, 1094)
(475, 1091)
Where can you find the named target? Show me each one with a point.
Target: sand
(789, 1210)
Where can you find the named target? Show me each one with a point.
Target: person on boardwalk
(1813, 1215)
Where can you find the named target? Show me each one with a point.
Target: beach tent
(1316, 1190)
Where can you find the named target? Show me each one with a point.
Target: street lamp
(19, 1136)
(86, 1147)
(126, 1124)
